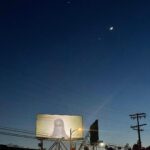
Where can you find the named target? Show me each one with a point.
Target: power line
(16, 130)
(17, 135)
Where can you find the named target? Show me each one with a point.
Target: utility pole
(137, 127)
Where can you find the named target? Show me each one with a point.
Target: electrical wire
(16, 130)
(17, 135)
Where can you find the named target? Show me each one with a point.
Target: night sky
(61, 57)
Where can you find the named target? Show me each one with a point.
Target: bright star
(68, 2)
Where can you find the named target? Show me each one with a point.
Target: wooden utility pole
(137, 127)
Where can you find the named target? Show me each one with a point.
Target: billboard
(94, 138)
(59, 126)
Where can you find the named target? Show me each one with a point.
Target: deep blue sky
(59, 57)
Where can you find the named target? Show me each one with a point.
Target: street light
(71, 132)
(102, 144)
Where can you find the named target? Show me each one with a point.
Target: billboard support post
(58, 145)
(41, 144)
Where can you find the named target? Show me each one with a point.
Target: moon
(111, 28)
